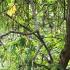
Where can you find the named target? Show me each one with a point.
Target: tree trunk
(65, 53)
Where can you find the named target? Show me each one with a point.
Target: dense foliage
(32, 34)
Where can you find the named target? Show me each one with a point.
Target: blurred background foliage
(26, 52)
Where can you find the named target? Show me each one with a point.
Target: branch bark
(65, 53)
(21, 33)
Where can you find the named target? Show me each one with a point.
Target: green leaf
(10, 2)
(21, 41)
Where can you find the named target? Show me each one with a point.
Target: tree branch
(37, 35)
(42, 41)
(21, 33)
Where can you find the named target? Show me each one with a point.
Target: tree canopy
(32, 34)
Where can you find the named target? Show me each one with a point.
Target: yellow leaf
(12, 10)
